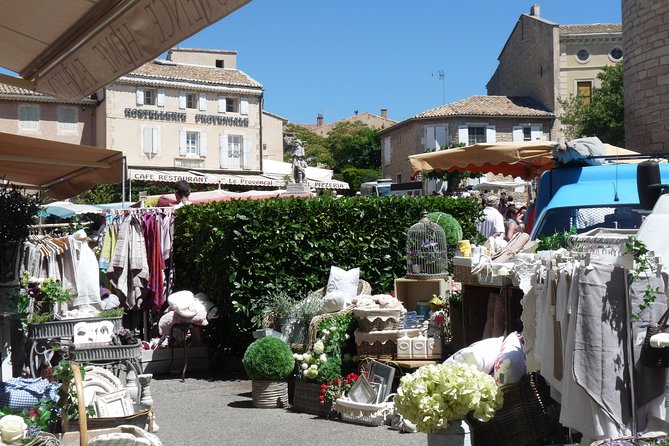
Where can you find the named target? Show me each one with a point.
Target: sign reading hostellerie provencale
(139, 113)
(222, 120)
(139, 33)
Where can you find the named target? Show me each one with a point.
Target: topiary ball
(268, 359)
(449, 224)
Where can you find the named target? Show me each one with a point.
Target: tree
(316, 151)
(604, 115)
(355, 177)
(354, 144)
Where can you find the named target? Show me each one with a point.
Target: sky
(332, 58)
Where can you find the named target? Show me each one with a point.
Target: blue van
(589, 197)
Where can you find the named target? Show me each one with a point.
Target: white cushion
(344, 281)
(334, 301)
(481, 354)
(510, 365)
(183, 302)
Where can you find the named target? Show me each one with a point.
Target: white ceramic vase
(456, 434)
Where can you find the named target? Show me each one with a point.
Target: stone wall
(646, 77)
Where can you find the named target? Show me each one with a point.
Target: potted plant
(268, 362)
(38, 297)
(438, 398)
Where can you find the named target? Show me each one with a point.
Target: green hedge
(236, 251)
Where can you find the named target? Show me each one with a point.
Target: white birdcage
(426, 251)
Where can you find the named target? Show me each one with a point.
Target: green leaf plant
(642, 264)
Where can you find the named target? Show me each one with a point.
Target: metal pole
(124, 175)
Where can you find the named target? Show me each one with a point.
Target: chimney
(319, 120)
(535, 10)
(384, 113)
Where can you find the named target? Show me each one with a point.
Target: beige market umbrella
(518, 159)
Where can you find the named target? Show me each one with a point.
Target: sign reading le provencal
(138, 113)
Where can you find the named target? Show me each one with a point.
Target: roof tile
(595, 28)
(197, 73)
(489, 106)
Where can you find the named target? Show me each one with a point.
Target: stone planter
(269, 394)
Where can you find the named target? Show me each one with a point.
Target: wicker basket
(463, 274)
(306, 399)
(377, 344)
(521, 421)
(269, 394)
(365, 414)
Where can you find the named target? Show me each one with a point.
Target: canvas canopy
(62, 169)
(518, 159)
(70, 48)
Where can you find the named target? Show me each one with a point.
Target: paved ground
(216, 409)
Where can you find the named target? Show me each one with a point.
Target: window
(67, 119)
(235, 147)
(616, 54)
(582, 55)
(191, 100)
(220, 63)
(149, 96)
(476, 134)
(527, 132)
(231, 105)
(398, 178)
(435, 137)
(28, 117)
(192, 143)
(584, 92)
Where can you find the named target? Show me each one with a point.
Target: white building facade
(193, 116)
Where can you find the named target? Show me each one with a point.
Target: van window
(587, 218)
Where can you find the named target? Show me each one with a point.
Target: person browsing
(492, 223)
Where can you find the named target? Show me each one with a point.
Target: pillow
(481, 354)
(334, 301)
(510, 365)
(344, 281)
(183, 303)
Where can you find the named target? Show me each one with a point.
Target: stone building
(540, 63)
(548, 62)
(370, 119)
(24, 112)
(646, 76)
(477, 119)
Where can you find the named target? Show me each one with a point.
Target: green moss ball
(268, 358)
(449, 224)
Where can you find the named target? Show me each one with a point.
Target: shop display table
(56, 337)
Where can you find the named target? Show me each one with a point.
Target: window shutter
(440, 137)
(387, 150)
(490, 134)
(247, 150)
(182, 100)
(160, 99)
(244, 106)
(182, 143)
(429, 137)
(463, 134)
(517, 133)
(202, 102)
(140, 95)
(537, 132)
(155, 147)
(221, 104)
(147, 143)
(223, 143)
(203, 144)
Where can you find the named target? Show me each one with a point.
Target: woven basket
(378, 319)
(463, 274)
(306, 399)
(521, 421)
(378, 349)
(269, 394)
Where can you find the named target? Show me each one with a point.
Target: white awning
(69, 49)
